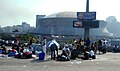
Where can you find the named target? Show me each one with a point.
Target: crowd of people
(25, 50)
(82, 48)
(85, 49)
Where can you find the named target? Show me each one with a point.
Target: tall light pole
(87, 30)
(87, 6)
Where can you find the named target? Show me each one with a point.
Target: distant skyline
(14, 12)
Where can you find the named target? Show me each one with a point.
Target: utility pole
(87, 30)
(88, 21)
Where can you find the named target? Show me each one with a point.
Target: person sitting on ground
(85, 55)
(65, 56)
(27, 53)
(94, 47)
(92, 54)
(4, 50)
(116, 49)
(66, 50)
(88, 55)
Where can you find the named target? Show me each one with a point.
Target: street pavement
(104, 62)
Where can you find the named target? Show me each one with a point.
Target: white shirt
(104, 42)
(66, 49)
(91, 53)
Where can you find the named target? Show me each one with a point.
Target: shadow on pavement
(37, 60)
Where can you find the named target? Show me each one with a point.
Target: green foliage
(26, 38)
(71, 41)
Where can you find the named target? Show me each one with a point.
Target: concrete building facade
(62, 24)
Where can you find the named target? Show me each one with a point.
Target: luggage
(0, 51)
(11, 54)
(41, 56)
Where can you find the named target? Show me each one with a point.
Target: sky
(14, 12)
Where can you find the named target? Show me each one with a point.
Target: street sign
(86, 24)
(77, 24)
(86, 15)
(90, 24)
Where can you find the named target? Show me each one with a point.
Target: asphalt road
(106, 62)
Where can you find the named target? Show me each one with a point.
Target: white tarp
(53, 42)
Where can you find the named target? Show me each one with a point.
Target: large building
(62, 24)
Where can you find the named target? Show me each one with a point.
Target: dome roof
(63, 15)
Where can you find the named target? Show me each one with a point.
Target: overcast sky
(14, 12)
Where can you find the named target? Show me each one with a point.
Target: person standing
(99, 46)
(82, 43)
(44, 45)
(53, 48)
(87, 43)
(31, 40)
(38, 39)
(16, 40)
(104, 45)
